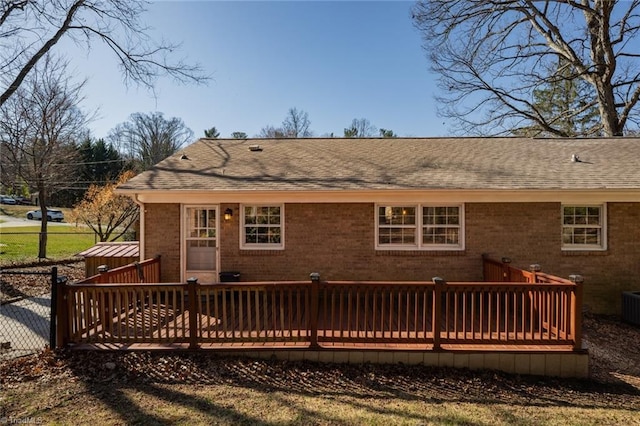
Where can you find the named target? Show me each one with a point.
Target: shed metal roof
(113, 249)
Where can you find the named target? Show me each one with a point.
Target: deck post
(315, 302)
(59, 299)
(103, 275)
(485, 275)
(506, 272)
(535, 268)
(193, 312)
(576, 311)
(140, 272)
(436, 319)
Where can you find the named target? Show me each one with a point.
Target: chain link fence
(26, 324)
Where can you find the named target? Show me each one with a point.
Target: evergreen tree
(239, 135)
(387, 133)
(101, 161)
(212, 133)
(560, 107)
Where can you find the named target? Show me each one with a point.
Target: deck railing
(425, 315)
(147, 271)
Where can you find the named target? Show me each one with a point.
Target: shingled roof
(396, 164)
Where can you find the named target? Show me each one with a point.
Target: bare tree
(360, 128)
(296, 124)
(29, 29)
(492, 55)
(270, 132)
(147, 139)
(39, 128)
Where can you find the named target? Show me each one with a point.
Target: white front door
(200, 243)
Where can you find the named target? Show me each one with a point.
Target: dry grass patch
(202, 388)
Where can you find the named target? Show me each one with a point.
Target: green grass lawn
(20, 244)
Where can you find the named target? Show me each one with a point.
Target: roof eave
(190, 196)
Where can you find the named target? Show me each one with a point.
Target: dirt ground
(614, 349)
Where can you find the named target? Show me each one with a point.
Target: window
(396, 225)
(262, 227)
(420, 227)
(583, 227)
(441, 225)
(201, 239)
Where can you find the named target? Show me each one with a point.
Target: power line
(84, 163)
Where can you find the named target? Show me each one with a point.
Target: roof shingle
(396, 164)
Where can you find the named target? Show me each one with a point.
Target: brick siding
(337, 240)
(162, 237)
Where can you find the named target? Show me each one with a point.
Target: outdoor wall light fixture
(228, 214)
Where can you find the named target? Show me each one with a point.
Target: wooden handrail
(137, 272)
(543, 309)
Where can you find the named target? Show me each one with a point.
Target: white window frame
(419, 226)
(260, 246)
(602, 226)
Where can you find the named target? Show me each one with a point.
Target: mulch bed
(106, 370)
(614, 349)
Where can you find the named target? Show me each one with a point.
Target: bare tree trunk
(608, 114)
(42, 242)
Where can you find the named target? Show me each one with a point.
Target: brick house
(396, 209)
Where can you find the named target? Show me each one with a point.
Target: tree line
(298, 125)
(553, 68)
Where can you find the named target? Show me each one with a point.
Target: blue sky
(335, 60)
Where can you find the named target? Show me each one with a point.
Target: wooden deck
(417, 316)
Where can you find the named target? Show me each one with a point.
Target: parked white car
(52, 215)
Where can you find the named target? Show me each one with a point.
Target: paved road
(24, 326)
(10, 221)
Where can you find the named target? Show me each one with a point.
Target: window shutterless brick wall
(162, 237)
(607, 274)
(337, 240)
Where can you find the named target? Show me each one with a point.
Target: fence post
(436, 319)
(576, 311)
(315, 308)
(506, 270)
(192, 293)
(54, 307)
(59, 318)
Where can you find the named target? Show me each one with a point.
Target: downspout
(141, 220)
